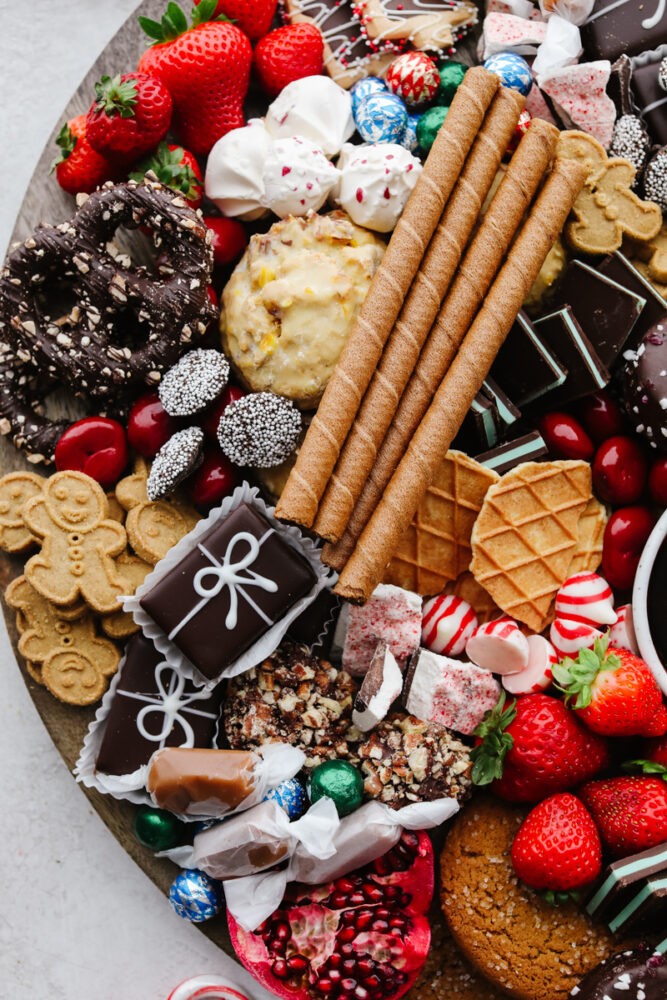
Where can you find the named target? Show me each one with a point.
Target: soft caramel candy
(201, 782)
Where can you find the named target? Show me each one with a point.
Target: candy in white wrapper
(561, 47)
(263, 837)
(520, 8)
(210, 784)
(507, 33)
(360, 838)
(234, 171)
(298, 111)
(575, 11)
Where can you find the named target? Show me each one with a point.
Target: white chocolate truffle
(313, 108)
(234, 171)
(376, 182)
(297, 177)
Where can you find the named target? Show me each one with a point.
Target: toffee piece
(234, 584)
(153, 707)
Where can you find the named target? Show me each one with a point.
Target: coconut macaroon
(292, 300)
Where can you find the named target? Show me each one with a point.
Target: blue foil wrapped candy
(409, 139)
(291, 796)
(195, 896)
(381, 118)
(514, 72)
(364, 88)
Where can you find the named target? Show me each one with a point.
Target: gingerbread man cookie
(78, 543)
(607, 208)
(15, 489)
(61, 646)
(153, 526)
(121, 624)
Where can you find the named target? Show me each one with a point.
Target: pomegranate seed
(410, 840)
(297, 963)
(396, 931)
(347, 934)
(373, 893)
(345, 884)
(405, 899)
(373, 982)
(279, 947)
(350, 965)
(363, 919)
(348, 985)
(401, 978)
(282, 931)
(381, 866)
(338, 900)
(348, 917)
(396, 921)
(358, 898)
(392, 891)
(335, 975)
(262, 927)
(365, 966)
(324, 986)
(383, 912)
(334, 961)
(279, 968)
(380, 925)
(345, 949)
(360, 993)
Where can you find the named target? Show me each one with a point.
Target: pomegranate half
(362, 937)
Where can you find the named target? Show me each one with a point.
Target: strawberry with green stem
(557, 847)
(287, 54)
(79, 169)
(176, 168)
(205, 65)
(630, 811)
(533, 748)
(129, 117)
(612, 691)
(254, 17)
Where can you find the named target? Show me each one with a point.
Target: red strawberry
(535, 748)
(629, 812)
(206, 68)
(656, 750)
(557, 845)
(252, 16)
(79, 167)
(130, 115)
(288, 54)
(614, 691)
(177, 169)
(229, 239)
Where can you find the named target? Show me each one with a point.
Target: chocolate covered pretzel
(77, 313)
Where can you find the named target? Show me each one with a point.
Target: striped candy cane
(447, 624)
(587, 599)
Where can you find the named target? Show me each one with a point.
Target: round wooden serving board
(67, 726)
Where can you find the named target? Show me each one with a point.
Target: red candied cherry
(229, 239)
(213, 296)
(149, 426)
(619, 470)
(565, 437)
(657, 481)
(96, 446)
(601, 416)
(624, 538)
(212, 416)
(215, 478)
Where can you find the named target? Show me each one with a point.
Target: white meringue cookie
(297, 177)
(313, 108)
(234, 171)
(376, 182)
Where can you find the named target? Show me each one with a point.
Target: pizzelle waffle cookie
(588, 554)
(436, 547)
(468, 589)
(526, 535)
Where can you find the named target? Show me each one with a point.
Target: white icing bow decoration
(170, 703)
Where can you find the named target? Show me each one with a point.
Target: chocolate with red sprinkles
(174, 462)
(630, 140)
(655, 178)
(194, 382)
(259, 430)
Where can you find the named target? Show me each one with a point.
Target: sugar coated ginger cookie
(526, 947)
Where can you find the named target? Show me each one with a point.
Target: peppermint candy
(622, 632)
(499, 646)
(447, 624)
(586, 599)
(537, 676)
(569, 637)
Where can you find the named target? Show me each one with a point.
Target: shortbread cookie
(15, 489)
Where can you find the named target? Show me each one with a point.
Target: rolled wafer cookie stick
(342, 396)
(417, 315)
(475, 274)
(444, 416)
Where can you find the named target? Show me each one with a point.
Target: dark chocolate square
(650, 98)
(605, 310)
(524, 366)
(140, 721)
(617, 26)
(617, 267)
(586, 372)
(479, 429)
(213, 631)
(507, 412)
(527, 448)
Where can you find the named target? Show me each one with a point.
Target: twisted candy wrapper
(358, 839)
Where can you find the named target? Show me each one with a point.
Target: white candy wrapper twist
(262, 837)
(561, 47)
(360, 838)
(575, 11)
(211, 784)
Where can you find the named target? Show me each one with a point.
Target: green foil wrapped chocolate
(340, 781)
(428, 126)
(451, 77)
(157, 829)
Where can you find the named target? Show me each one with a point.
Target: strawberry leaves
(575, 677)
(67, 141)
(116, 96)
(170, 169)
(646, 767)
(174, 23)
(488, 757)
